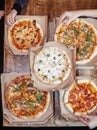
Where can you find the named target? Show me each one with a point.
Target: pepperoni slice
(88, 104)
(72, 96)
(81, 87)
(73, 102)
(92, 99)
(76, 91)
(82, 105)
(78, 109)
(85, 91)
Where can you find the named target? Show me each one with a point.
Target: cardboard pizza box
(52, 87)
(90, 18)
(65, 111)
(11, 119)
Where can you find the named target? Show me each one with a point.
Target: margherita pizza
(81, 97)
(80, 34)
(24, 100)
(52, 65)
(25, 33)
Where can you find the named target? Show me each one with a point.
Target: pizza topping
(81, 105)
(76, 91)
(73, 101)
(48, 55)
(72, 96)
(38, 69)
(92, 99)
(59, 54)
(88, 104)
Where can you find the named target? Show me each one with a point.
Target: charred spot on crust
(34, 21)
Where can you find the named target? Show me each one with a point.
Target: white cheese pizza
(52, 65)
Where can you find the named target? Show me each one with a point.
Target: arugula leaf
(75, 31)
(15, 103)
(89, 37)
(19, 87)
(39, 97)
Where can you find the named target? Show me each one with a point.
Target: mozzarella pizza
(52, 65)
(25, 33)
(24, 100)
(80, 34)
(81, 97)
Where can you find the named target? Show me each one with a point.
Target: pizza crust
(67, 105)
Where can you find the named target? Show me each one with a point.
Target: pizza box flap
(91, 19)
(52, 87)
(42, 20)
(6, 78)
(64, 110)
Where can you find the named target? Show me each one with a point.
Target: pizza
(81, 97)
(80, 34)
(25, 33)
(52, 65)
(24, 100)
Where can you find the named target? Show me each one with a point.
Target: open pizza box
(91, 18)
(65, 109)
(6, 78)
(52, 87)
(42, 22)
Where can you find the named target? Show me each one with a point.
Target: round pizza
(52, 65)
(80, 34)
(24, 100)
(25, 33)
(81, 97)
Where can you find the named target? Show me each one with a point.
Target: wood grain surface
(53, 8)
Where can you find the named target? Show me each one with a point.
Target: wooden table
(50, 8)
(53, 8)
